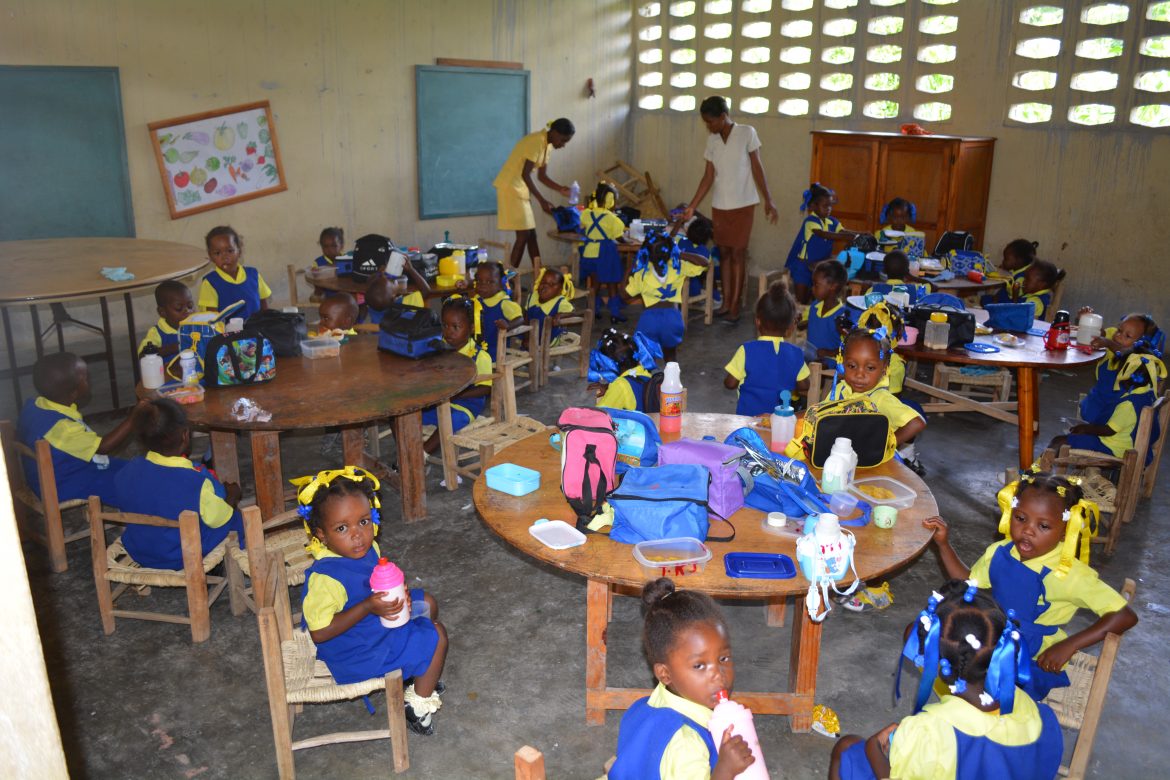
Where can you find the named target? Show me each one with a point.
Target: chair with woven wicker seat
(569, 341)
(1078, 706)
(996, 384)
(112, 564)
(294, 677)
(288, 543)
(53, 535)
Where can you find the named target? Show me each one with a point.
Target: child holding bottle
(1135, 332)
(815, 239)
(760, 370)
(1039, 280)
(231, 281)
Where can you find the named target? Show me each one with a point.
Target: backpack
(241, 358)
(952, 240)
(370, 254)
(568, 219)
(725, 493)
(664, 502)
(588, 460)
(652, 393)
(963, 261)
(285, 330)
(410, 331)
(637, 437)
(856, 419)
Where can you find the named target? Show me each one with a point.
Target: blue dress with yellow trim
(76, 478)
(1098, 404)
(643, 736)
(809, 249)
(769, 371)
(822, 326)
(599, 252)
(465, 410)
(247, 291)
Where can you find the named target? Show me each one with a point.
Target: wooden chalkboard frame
(430, 191)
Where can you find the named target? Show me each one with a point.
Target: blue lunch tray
(759, 566)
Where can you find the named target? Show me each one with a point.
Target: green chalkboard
(62, 154)
(468, 120)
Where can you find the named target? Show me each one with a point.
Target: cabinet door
(847, 164)
(972, 184)
(919, 170)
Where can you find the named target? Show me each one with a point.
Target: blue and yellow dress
(160, 335)
(497, 307)
(599, 252)
(1122, 420)
(664, 735)
(808, 249)
(765, 367)
(1040, 300)
(218, 290)
(663, 324)
(464, 410)
(627, 391)
(1011, 288)
(79, 470)
(537, 311)
(822, 327)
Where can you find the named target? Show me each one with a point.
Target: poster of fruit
(217, 158)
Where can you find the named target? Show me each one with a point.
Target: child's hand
(501, 324)
(1084, 310)
(232, 493)
(734, 756)
(939, 526)
(600, 388)
(140, 407)
(461, 284)
(884, 738)
(1054, 658)
(386, 609)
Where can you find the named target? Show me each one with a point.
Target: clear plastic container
(899, 495)
(512, 479)
(320, 348)
(556, 534)
(843, 505)
(672, 557)
(938, 332)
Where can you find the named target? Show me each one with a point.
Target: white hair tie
(971, 640)
(986, 699)
(1015, 501)
(1067, 514)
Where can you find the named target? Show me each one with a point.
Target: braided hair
(338, 487)
(669, 611)
(971, 623)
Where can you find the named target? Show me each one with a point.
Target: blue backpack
(568, 219)
(638, 439)
(664, 502)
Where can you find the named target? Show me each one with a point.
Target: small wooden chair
(519, 348)
(997, 386)
(112, 564)
(1150, 475)
(1078, 707)
(294, 677)
(287, 544)
(767, 277)
(706, 298)
(820, 383)
(580, 342)
(52, 535)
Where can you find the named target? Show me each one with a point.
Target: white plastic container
(152, 371)
(837, 475)
(902, 496)
(672, 557)
(783, 423)
(189, 365)
(1089, 327)
(739, 718)
(556, 534)
(323, 347)
(843, 505)
(938, 332)
(672, 400)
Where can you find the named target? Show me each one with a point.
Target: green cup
(885, 516)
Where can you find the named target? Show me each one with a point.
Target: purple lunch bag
(725, 494)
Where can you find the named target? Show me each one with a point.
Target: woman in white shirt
(735, 171)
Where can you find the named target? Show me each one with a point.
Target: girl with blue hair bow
(657, 280)
(815, 238)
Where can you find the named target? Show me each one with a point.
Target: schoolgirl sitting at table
(459, 332)
(895, 215)
(760, 370)
(1039, 280)
(814, 240)
(1018, 257)
(552, 297)
(1136, 332)
(823, 341)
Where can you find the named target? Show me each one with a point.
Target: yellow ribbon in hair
(1136, 362)
(476, 309)
(1083, 523)
(309, 485)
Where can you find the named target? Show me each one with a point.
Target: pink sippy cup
(389, 579)
(730, 713)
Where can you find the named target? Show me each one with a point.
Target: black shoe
(423, 725)
(916, 466)
(618, 318)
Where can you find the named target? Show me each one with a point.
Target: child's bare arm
(730, 382)
(113, 440)
(909, 430)
(947, 557)
(1054, 658)
(418, 280)
(877, 750)
(1092, 430)
(348, 618)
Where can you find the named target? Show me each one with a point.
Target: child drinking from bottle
(760, 370)
(687, 642)
(341, 613)
(230, 281)
(1135, 333)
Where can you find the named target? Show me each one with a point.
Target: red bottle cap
(721, 696)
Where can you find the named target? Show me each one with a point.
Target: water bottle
(672, 399)
(783, 423)
(1089, 327)
(189, 366)
(389, 580)
(837, 475)
(150, 368)
(938, 332)
(739, 718)
(1059, 332)
(574, 193)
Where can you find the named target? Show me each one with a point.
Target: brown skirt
(733, 227)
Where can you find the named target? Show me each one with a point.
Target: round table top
(1030, 353)
(878, 550)
(960, 287)
(363, 384)
(53, 269)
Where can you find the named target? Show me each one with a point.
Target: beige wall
(1094, 199)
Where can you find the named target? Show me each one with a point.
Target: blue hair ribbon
(922, 653)
(654, 239)
(1010, 664)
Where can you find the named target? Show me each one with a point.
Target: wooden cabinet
(946, 177)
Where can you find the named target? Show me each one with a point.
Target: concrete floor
(146, 703)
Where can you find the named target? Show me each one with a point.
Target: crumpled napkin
(247, 410)
(944, 276)
(117, 274)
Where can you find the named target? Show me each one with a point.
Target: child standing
(814, 240)
(1018, 257)
(688, 645)
(763, 368)
(552, 297)
(459, 320)
(175, 304)
(984, 728)
(230, 281)
(619, 369)
(600, 258)
(177, 485)
(340, 509)
(823, 341)
(1135, 332)
(497, 311)
(896, 215)
(1039, 280)
(1035, 572)
(81, 459)
(657, 278)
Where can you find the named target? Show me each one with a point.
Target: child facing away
(983, 727)
(814, 240)
(81, 458)
(688, 645)
(1039, 280)
(336, 316)
(230, 281)
(459, 318)
(620, 367)
(697, 241)
(760, 370)
(1136, 332)
(600, 260)
(897, 271)
(382, 291)
(1018, 257)
(552, 297)
(658, 276)
(1035, 572)
(895, 215)
(177, 485)
(341, 614)
(823, 341)
(175, 304)
(497, 311)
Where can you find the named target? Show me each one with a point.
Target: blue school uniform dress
(1040, 302)
(915, 289)
(160, 335)
(368, 649)
(822, 327)
(627, 391)
(663, 324)
(218, 290)
(712, 255)
(664, 736)
(322, 260)
(765, 367)
(954, 739)
(599, 252)
(537, 311)
(497, 307)
(1098, 405)
(1123, 420)
(809, 249)
(80, 471)
(176, 486)
(465, 410)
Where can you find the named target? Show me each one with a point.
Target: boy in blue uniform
(174, 305)
(81, 458)
(496, 310)
(1039, 280)
(230, 281)
(824, 341)
(176, 485)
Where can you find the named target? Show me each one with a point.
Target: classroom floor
(146, 703)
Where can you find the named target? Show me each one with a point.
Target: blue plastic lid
(759, 566)
(785, 408)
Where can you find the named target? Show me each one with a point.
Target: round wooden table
(58, 270)
(960, 287)
(335, 283)
(610, 567)
(361, 386)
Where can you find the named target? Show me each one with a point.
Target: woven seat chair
(526, 357)
(52, 535)
(294, 677)
(112, 564)
(288, 544)
(996, 386)
(1078, 707)
(580, 342)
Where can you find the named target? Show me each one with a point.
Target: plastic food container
(323, 272)
(512, 479)
(320, 348)
(890, 492)
(842, 504)
(672, 557)
(447, 281)
(556, 534)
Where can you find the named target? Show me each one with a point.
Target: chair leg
(450, 452)
(97, 548)
(396, 712)
(278, 709)
(236, 597)
(50, 505)
(529, 764)
(709, 303)
(197, 606)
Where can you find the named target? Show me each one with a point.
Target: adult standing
(515, 188)
(737, 175)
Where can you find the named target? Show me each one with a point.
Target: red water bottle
(1059, 332)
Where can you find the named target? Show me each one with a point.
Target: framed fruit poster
(217, 158)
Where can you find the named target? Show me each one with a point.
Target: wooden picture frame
(217, 158)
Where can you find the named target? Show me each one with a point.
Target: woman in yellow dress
(515, 188)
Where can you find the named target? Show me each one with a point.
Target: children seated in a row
(658, 276)
(620, 370)
(551, 298)
(175, 304)
(231, 281)
(760, 370)
(814, 241)
(602, 267)
(459, 332)
(1018, 257)
(822, 340)
(342, 616)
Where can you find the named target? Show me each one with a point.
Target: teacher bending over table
(735, 170)
(514, 187)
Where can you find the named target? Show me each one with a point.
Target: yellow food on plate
(873, 491)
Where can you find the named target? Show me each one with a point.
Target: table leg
(353, 446)
(11, 356)
(108, 341)
(775, 611)
(227, 460)
(802, 674)
(596, 610)
(1026, 396)
(411, 465)
(266, 468)
(132, 330)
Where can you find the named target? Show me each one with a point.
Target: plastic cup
(842, 504)
(885, 516)
(777, 519)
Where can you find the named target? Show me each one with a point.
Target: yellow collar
(773, 339)
(69, 411)
(240, 275)
(662, 697)
(848, 392)
(819, 306)
(164, 327)
(492, 301)
(173, 461)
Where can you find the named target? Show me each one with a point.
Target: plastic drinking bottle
(1089, 327)
(837, 475)
(730, 713)
(783, 423)
(189, 365)
(150, 366)
(574, 193)
(389, 579)
(1059, 333)
(938, 332)
(672, 398)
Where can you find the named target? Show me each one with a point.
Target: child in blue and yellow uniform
(382, 290)
(657, 279)
(340, 509)
(697, 241)
(764, 368)
(230, 281)
(332, 243)
(823, 342)
(814, 240)
(897, 270)
(81, 459)
(552, 297)
(1035, 572)
(336, 316)
(1039, 280)
(174, 305)
(1136, 332)
(497, 311)
(600, 258)
(459, 319)
(665, 735)
(895, 215)
(620, 367)
(983, 727)
(1018, 257)
(176, 485)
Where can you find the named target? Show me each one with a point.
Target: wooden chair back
(295, 273)
(706, 298)
(1057, 295)
(583, 322)
(1162, 415)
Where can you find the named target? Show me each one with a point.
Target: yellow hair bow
(476, 309)
(309, 485)
(1155, 369)
(1081, 522)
